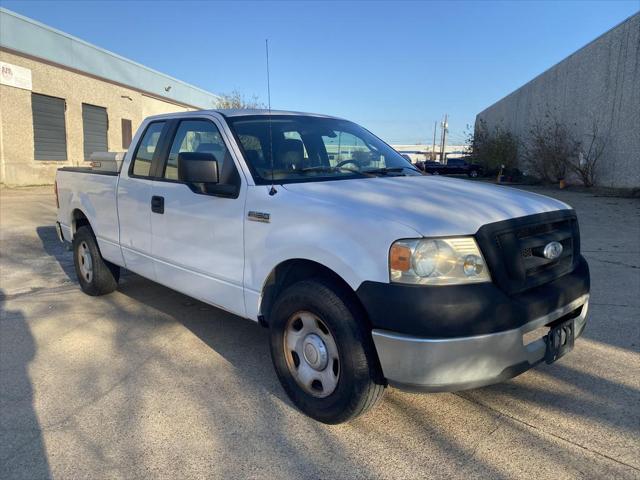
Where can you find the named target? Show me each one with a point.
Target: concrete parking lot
(148, 383)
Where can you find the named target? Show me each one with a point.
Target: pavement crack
(610, 304)
(627, 252)
(534, 427)
(612, 262)
(484, 438)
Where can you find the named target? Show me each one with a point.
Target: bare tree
(586, 162)
(235, 99)
(550, 148)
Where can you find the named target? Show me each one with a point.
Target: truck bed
(94, 193)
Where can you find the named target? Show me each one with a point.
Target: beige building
(62, 98)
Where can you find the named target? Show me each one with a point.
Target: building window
(94, 126)
(126, 133)
(49, 129)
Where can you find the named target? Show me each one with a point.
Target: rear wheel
(95, 275)
(323, 353)
(473, 173)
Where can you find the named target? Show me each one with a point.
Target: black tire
(360, 383)
(473, 173)
(101, 277)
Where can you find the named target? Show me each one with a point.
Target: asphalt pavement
(149, 383)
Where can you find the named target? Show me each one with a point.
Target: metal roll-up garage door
(94, 126)
(49, 131)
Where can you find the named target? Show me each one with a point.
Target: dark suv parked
(453, 166)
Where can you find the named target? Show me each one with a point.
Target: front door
(197, 243)
(134, 202)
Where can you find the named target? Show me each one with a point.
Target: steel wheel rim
(85, 262)
(311, 354)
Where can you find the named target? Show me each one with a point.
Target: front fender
(354, 247)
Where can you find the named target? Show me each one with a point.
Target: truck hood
(431, 205)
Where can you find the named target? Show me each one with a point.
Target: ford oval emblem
(552, 250)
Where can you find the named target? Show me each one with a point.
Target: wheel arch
(79, 219)
(293, 270)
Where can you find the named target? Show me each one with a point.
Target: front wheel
(323, 353)
(95, 274)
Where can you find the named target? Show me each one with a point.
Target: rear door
(198, 244)
(134, 200)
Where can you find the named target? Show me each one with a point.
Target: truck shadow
(245, 345)
(22, 452)
(240, 341)
(248, 398)
(54, 248)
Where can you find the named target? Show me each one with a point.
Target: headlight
(438, 261)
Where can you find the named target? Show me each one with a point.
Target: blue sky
(394, 67)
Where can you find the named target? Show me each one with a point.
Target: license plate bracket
(559, 341)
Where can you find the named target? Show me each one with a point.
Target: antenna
(272, 190)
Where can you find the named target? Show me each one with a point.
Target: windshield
(309, 148)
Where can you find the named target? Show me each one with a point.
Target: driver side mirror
(198, 167)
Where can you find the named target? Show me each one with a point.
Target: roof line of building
(96, 77)
(618, 25)
(12, 37)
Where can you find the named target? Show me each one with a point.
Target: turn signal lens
(400, 258)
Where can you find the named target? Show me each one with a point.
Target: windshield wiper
(387, 170)
(325, 169)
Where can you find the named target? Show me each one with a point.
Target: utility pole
(433, 147)
(445, 127)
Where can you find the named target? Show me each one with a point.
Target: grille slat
(541, 240)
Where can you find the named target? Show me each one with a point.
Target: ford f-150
(366, 272)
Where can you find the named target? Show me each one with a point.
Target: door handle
(157, 204)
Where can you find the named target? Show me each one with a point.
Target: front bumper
(446, 338)
(451, 364)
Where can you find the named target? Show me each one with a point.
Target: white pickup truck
(367, 272)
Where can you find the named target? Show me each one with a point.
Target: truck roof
(241, 112)
(236, 112)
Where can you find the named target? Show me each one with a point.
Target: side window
(195, 136)
(146, 149)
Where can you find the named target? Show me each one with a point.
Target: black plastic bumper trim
(466, 310)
